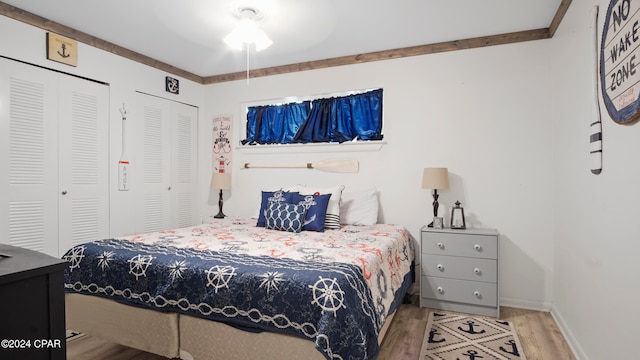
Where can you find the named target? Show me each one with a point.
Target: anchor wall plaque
(62, 49)
(171, 85)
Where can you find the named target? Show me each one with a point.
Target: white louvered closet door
(184, 126)
(45, 204)
(83, 162)
(28, 157)
(168, 163)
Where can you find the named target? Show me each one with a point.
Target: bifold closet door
(83, 170)
(54, 149)
(28, 157)
(166, 133)
(184, 174)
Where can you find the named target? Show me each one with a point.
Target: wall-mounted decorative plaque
(172, 85)
(620, 61)
(62, 49)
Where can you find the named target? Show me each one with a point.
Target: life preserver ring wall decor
(620, 61)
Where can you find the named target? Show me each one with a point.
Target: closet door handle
(64, 192)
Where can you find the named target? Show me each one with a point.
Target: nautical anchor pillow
(285, 217)
(272, 196)
(316, 207)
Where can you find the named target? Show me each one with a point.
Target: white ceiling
(188, 33)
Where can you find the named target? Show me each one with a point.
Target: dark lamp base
(220, 214)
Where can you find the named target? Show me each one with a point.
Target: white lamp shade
(435, 178)
(220, 181)
(248, 32)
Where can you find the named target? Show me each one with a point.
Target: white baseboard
(577, 350)
(575, 347)
(525, 304)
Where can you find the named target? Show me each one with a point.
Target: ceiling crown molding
(500, 39)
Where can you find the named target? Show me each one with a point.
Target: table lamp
(222, 181)
(435, 178)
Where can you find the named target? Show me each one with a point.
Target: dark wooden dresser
(31, 305)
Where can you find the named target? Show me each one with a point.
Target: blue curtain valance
(275, 124)
(336, 119)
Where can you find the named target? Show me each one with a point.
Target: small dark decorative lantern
(457, 217)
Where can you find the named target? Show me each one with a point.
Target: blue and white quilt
(334, 288)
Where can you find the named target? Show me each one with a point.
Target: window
(328, 120)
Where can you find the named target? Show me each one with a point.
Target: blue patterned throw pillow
(285, 217)
(316, 207)
(272, 196)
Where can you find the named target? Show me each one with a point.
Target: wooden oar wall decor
(595, 138)
(336, 166)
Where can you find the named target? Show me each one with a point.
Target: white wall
(125, 77)
(597, 233)
(511, 124)
(483, 113)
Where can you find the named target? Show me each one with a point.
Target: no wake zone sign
(620, 61)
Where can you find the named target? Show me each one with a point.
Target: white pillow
(359, 207)
(332, 221)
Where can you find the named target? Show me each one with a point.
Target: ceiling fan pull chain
(248, 63)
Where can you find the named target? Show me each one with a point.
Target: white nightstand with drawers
(459, 270)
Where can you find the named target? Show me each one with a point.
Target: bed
(232, 290)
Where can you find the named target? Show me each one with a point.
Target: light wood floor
(539, 335)
(537, 331)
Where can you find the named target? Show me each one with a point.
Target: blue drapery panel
(275, 124)
(345, 118)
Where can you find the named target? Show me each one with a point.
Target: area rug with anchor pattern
(455, 336)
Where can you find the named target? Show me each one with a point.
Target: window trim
(349, 146)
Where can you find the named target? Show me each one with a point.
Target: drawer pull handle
(477, 271)
(440, 290)
(440, 267)
(441, 245)
(477, 247)
(477, 294)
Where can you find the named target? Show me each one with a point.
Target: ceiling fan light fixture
(261, 40)
(248, 31)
